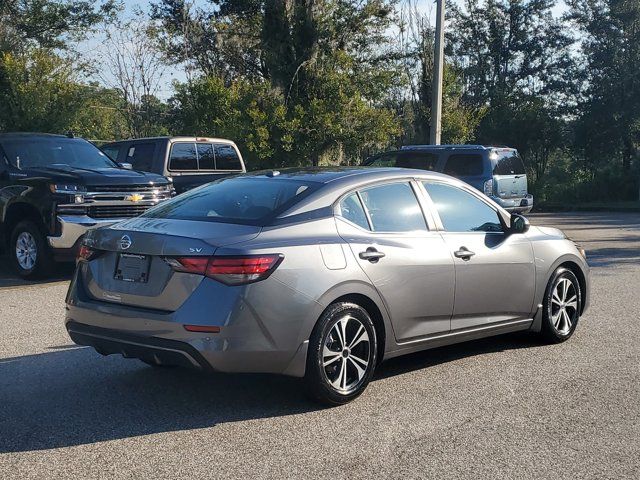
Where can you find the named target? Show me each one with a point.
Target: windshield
(245, 200)
(55, 152)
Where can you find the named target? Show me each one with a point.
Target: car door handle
(371, 254)
(464, 253)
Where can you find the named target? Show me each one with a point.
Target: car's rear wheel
(562, 305)
(342, 354)
(30, 255)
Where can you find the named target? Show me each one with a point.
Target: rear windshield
(55, 152)
(508, 163)
(419, 160)
(244, 200)
(189, 156)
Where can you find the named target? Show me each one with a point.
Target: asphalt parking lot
(506, 407)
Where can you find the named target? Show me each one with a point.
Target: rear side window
(460, 211)
(183, 157)
(463, 165)
(393, 208)
(140, 155)
(351, 209)
(227, 158)
(509, 164)
(419, 160)
(249, 201)
(405, 159)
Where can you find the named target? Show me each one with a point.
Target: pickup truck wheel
(30, 255)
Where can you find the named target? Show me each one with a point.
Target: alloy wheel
(346, 356)
(564, 306)
(26, 250)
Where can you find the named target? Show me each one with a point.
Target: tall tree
(516, 60)
(609, 126)
(329, 64)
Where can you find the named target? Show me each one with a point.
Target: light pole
(438, 65)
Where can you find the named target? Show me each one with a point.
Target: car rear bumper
(246, 340)
(160, 351)
(73, 227)
(516, 205)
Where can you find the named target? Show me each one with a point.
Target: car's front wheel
(562, 305)
(28, 250)
(342, 354)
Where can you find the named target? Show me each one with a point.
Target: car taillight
(236, 270)
(86, 254)
(488, 188)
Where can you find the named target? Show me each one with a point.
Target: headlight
(582, 251)
(67, 188)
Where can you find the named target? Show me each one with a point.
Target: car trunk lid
(130, 268)
(509, 175)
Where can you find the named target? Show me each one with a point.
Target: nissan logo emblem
(125, 242)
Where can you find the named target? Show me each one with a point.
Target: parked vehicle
(321, 274)
(188, 161)
(54, 188)
(498, 172)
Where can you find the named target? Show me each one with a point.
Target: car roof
(343, 174)
(31, 135)
(174, 139)
(455, 147)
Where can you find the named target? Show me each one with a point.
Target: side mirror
(126, 166)
(519, 224)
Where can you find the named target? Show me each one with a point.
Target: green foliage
(48, 23)
(609, 126)
(40, 92)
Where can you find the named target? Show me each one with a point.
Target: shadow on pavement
(9, 279)
(73, 396)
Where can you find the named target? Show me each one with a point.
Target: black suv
(54, 188)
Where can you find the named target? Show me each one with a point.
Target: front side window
(183, 157)
(463, 165)
(461, 211)
(393, 208)
(56, 152)
(140, 156)
(111, 152)
(351, 209)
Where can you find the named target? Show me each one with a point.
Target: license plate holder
(133, 268)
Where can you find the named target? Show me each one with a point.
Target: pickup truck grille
(125, 188)
(117, 211)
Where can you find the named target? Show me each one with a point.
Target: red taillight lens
(86, 253)
(189, 264)
(229, 270)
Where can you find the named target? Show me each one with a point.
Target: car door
(494, 269)
(408, 264)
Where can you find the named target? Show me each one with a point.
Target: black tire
(556, 326)
(318, 378)
(43, 263)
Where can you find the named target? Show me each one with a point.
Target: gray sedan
(321, 274)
